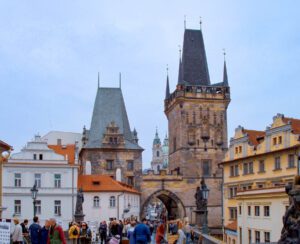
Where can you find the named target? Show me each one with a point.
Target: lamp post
(205, 193)
(34, 192)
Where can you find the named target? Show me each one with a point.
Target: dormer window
(96, 183)
(275, 141)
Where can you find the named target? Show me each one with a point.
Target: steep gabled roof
(194, 63)
(109, 106)
(254, 135)
(4, 145)
(66, 150)
(103, 183)
(295, 123)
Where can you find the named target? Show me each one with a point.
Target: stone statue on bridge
(79, 216)
(201, 203)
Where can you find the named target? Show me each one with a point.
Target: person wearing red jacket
(56, 233)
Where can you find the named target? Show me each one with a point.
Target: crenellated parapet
(173, 175)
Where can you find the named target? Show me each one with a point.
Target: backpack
(75, 232)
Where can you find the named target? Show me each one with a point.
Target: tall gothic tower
(197, 113)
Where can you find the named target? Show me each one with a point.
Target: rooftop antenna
(120, 80)
(98, 80)
(200, 23)
(184, 21)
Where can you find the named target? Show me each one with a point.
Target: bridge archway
(170, 200)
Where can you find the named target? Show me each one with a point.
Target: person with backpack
(56, 233)
(85, 236)
(103, 232)
(74, 233)
(35, 231)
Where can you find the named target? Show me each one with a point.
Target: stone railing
(205, 239)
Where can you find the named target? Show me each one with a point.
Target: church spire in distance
(225, 77)
(168, 85)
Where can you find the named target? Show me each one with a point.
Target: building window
(38, 207)
(38, 180)
(261, 166)
(236, 150)
(274, 140)
(245, 169)
(112, 202)
(109, 164)
(58, 141)
(240, 149)
(96, 202)
(17, 207)
(130, 165)
(240, 210)
(41, 156)
(266, 211)
(157, 153)
(57, 207)
(174, 144)
(233, 213)
(279, 139)
(249, 237)
(249, 210)
(291, 163)
(34, 156)
(267, 237)
(206, 167)
(234, 170)
(257, 236)
(130, 180)
(256, 211)
(250, 167)
(241, 236)
(57, 180)
(277, 164)
(232, 192)
(17, 180)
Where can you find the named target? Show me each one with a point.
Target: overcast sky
(51, 51)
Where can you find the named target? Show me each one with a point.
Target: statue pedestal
(79, 217)
(200, 217)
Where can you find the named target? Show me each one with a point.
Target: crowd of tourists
(50, 233)
(111, 232)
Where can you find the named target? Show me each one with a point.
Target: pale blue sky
(51, 51)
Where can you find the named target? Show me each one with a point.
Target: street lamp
(205, 193)
(34, 192)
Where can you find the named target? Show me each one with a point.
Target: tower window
(206, 167)
(157, 153)
(174, 144)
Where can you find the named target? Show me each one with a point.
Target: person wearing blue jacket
(35, 231)
(45, 232)
(142, 233)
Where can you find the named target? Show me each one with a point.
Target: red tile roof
(254, 135)
(232, 226)
(5, 145)
(68, 150)
(295, 123)
(103, 183)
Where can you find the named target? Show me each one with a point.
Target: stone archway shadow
(172, 202)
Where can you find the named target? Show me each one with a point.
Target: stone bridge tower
(197, 121)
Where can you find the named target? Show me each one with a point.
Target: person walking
(187, 231)
(25, 231)
(85, 236)
(17, 235)
(130, 231)
(160, 233)
(103, 232)
(181, 235)
(34, 231)
(141, 233)
(56, 233)
(74, 232)
(45, 233)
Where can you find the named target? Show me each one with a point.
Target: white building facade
(54, 177)
(106, 198)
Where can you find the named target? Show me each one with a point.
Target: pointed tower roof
(225, 77)
(109, 106)
(194, 63)
(180, 78)
(156, 140)
(167, 88)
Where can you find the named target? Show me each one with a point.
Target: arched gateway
(171, 201)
